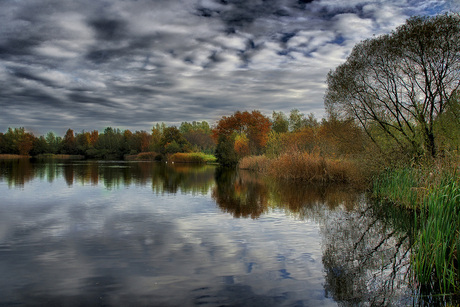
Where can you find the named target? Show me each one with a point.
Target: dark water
(148, 234)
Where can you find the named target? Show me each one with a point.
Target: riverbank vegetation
(403, 89)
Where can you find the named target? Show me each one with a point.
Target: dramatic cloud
(128, 64)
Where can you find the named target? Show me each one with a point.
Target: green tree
(110, 144)
(280, 122)
(296, 120)
(82, 142)
(157, 134)
(399, 84)
(54, 142)
(225, 151)
(40, 146)
(173, 141)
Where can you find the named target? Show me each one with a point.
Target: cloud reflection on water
(144, 234)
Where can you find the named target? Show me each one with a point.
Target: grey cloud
(173, 61)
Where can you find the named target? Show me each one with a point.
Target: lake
(111, 233)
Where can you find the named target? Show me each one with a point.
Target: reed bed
(302, 166)
(433, 193)
(435, 252)
(255, 163)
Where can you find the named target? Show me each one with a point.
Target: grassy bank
(192, 157)
(433, 193)
(301, 166)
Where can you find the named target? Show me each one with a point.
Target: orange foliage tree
(253, 125)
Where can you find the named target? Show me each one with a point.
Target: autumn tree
(255, 126)
(399, 84)
(17, 141)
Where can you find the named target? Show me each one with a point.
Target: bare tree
(401, 82)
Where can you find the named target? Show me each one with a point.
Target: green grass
(192, 157)
(435, 252)
(433, 194)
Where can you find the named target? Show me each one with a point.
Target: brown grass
(143, 156)
(255, 163)
(302, 166)
(9, 156)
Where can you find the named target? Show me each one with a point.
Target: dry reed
(303, 166)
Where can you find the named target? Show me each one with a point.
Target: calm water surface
(80, 233)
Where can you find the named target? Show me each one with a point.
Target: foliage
(399, 84)
(173, 141)
(198, 134)
(225, 151)
(16, 141)
(255, 126)
(280, 122)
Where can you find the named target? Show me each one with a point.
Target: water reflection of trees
(243, 194)
(366, 246)
(240, 194)
(366, 255)
(195, 179)
(16, 172)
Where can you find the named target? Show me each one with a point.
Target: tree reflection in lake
(362, 259)
(365, 246)
(197, 179)
(244, 194)
(366, 255)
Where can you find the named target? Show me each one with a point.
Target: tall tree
(400, 83)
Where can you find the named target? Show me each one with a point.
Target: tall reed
(302, 166)
(433, 193)
(435, 252)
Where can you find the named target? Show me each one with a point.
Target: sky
(129, 64)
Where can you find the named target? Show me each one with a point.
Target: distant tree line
(112, 143)
(232, 138)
